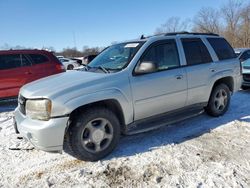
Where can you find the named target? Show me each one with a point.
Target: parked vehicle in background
(19, 67)
(69, 64)
(88, 59)
(79, 61)
(60, 56)
(129, 88)
(243, 55)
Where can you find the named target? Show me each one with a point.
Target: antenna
(142, 37)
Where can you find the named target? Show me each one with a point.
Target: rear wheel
(219, 100)
(94, 134)
(70, 67)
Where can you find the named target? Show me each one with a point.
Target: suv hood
(60, 84)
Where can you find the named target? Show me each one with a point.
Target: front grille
(22, 103)
(246, 77)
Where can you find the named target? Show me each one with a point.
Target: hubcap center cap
(221, 100)
(98, 136)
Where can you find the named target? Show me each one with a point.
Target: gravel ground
(199, 152)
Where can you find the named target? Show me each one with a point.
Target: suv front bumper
(44, 135)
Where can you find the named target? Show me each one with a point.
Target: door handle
(179, 77)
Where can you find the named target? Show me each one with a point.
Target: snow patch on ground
(199, 152)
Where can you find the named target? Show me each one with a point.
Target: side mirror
(145, 67)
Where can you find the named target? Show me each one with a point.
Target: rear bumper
(44, 135)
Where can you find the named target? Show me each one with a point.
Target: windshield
(116, 57)
(246, 63)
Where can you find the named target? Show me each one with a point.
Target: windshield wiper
(87, 67)
(102, 68)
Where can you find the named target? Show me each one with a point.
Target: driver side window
(164, 55)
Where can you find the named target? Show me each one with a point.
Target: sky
(78, 23)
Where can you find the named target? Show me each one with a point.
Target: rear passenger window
(165, 55)
(10, 61)
(38, 58)
(222, 48)
(195, 51)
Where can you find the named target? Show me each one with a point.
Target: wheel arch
(228, 80)
(111, 104)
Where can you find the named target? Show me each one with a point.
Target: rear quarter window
(222, 48)
(38, 58)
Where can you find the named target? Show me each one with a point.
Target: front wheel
(219, 100)
(93, 134)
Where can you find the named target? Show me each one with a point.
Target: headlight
(39, 109)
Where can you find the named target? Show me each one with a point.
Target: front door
(163, 90)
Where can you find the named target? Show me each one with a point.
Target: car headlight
(39, 109)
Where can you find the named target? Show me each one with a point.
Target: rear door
(199, 67)
(227, 64)
(12, 75)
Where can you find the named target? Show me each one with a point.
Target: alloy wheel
(97, 135)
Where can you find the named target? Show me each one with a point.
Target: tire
(92, 135)
(245, 87)
(219, 101)
(70, 67)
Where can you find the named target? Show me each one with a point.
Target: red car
(19, 67)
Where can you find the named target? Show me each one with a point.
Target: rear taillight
(60, 67)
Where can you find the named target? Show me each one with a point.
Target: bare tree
(5, 47)
(70, 52)
(73, 52)
(17, 47)
(244, 34)
(90, 51)
(49, 48)
(232, 14)
(207, 21)
(173, 24)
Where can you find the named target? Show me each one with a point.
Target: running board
(153, 123)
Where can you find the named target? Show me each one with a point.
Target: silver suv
(129, 88)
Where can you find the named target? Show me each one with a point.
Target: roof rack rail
(189, 33)
(177, 33)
